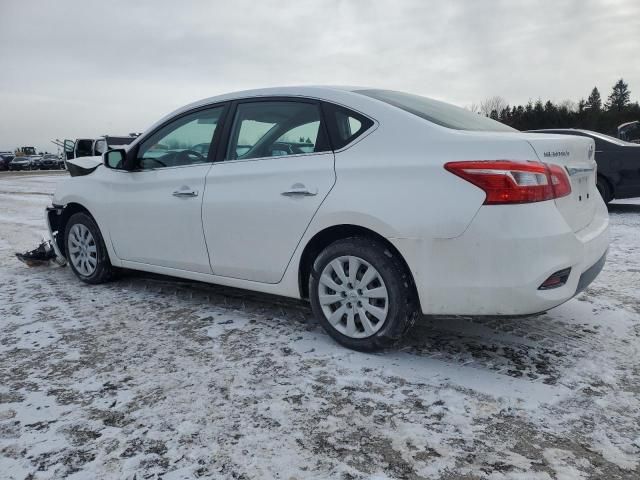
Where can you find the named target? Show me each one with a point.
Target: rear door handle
(185, 192)
(299, 190)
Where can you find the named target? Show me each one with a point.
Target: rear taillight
(559, 180)
(508, 181)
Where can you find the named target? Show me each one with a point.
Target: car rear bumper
(496, 267)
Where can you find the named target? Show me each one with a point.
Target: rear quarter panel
(394, 181)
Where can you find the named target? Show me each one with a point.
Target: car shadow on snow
(532, 348)
(624, 208)
(536, 348)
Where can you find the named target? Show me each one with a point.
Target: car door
(156, 209)
(274, 173)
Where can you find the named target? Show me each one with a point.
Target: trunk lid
(576, 155)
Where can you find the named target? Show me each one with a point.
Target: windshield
(440, 113)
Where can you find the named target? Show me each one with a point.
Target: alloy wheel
(83, 251)
(353, 296)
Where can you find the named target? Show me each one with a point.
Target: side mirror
(115, 159)
(69, 145)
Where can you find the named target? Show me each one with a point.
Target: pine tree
(582, 105)
(620, 97)
(594, 102)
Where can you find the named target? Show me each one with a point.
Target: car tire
(85, 250)
(388, 315)
(604, 189)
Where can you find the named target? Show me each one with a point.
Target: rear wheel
(362, 294)
(604, 189)
(85, 250)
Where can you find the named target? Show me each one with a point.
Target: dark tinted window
(344, 125)
(84, 148)
(437, 112)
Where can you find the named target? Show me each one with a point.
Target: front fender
(87, 193)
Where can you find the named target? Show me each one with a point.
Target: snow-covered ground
(151, 377)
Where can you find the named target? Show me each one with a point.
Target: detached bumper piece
(41, 255)
(53, 216)
(556, 280)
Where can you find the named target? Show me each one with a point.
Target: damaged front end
(77, 167)
(48, 250)
(54, 216)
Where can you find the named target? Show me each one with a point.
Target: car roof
(301, 90)
(337, 94)
(310, 91)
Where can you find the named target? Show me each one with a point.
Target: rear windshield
(440, 113)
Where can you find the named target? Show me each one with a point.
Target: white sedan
(374, 205)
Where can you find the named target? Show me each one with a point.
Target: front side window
(273, 129)
(185, 141)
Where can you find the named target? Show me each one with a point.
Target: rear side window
(344, 125)
(437, 112)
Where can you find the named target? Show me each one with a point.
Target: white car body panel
(252, 229)
(149, 224)
(465, 257)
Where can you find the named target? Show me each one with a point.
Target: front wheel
(85, 250)
(362, 294)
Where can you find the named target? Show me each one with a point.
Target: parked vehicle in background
(36, 162)
(21, 163)
(110, 142)
(27, 151)
(50, 161)
(375, 205)
(5, 159)
(630, 131)
(92, 147)
(618, 163)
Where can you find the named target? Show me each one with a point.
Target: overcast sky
(86, 68)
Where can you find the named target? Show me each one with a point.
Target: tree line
(589, 114)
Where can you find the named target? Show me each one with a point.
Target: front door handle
(185, 192)
(299, 190)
